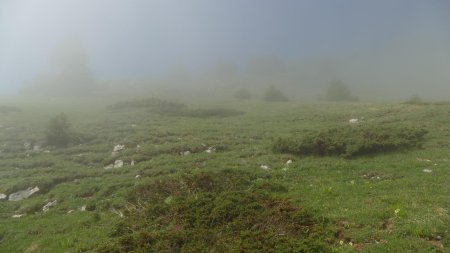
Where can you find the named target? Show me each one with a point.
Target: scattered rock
(353, 121)
(118, 148)
(427, 171)
(36, 148)
(137, 176)
(2, 196)
(265, 167)
(15, 216)
(23, 194)
(210, 149)
(288, 162)
(83, 208)
(111, 166)
(70, 211)
(27, 145)
(48, 205)
(118, 164)
(132, 163)
(185, 153)
(423, 160)
(118, 212)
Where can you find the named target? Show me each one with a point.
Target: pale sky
(139, 38)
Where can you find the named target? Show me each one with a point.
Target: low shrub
(339, 92)
(57, 133)
(415, 100)
(214, 112)
(274, 95)
(154, 104)
(167, 108)
(215, 212)
(352, 141)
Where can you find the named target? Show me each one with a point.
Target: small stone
(288, 162)
(23, 194)
(427, 171)
(118, 147)
(15, 216)
(137, 176)
(353, 121)
(3, 196)
(118, 164)
(111, 166)
(83, 208)
(48, 205)
(265, 167)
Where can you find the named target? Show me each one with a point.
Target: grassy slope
(359, 195)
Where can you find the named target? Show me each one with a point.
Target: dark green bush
(167, 108)
(153, 104)
(339, 92)
(415, 100)
(274, 95)
(352, 141)
(214, 112)
(216, 212)
(57, 133)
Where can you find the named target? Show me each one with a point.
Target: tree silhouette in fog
(69, 73)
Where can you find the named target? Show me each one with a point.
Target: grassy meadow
(233, 191)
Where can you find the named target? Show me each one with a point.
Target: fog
(382, 50)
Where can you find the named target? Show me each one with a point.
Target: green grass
(378, 203)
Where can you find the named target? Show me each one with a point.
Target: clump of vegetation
(274, 95)
(242, 94)
(339, 92)
(216, 212)
(154, 104)
(352, 141)
(168, 108)
(58, 133)
(214, 112)
(415, 100)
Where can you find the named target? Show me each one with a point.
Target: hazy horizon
(385, 49)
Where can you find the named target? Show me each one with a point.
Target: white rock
(3, 196)
(83, 208)
(23, 194)
(132, 163)
(265, 167)
(48, 205)
(70, 211)
(353, 121)
(137, 176)
(118, 147)
(15, 216)
(111, 166)
(118, 164)
(185, 153)
(427, 171)
(288, 162)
